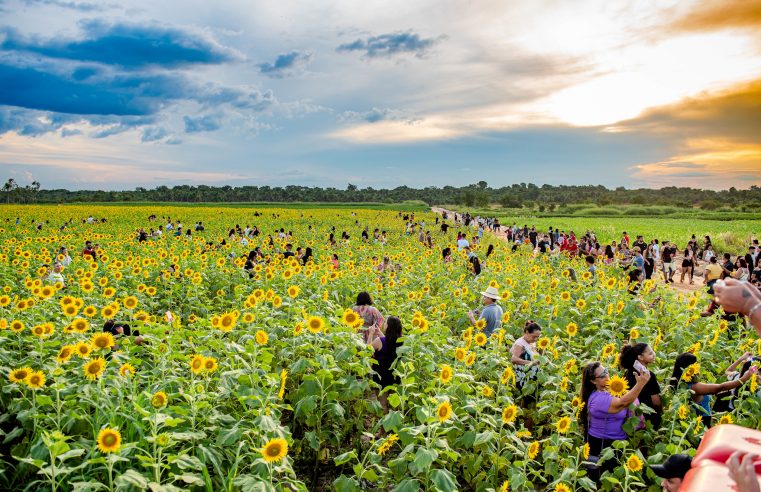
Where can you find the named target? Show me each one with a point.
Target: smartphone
(639, 367)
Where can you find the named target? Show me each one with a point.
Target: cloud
(386, 45)
(127, 45)
(153, 134)
(78, 6)
(375, 115)
(207, 123)
(716, 15)
(287, 64)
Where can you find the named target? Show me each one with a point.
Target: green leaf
(394, 400)
(346, 484)
(423, 459)
(407, 485)
(132, 478)
(392, 420)
(72, 453)
(483, 438)
(229, 436)
(44, 400)
(343, 458)
(190, 478)
(444, 480)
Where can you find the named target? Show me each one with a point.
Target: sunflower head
(634, 463)
(20, 375)
(197, 363)
(94, 369)
(315, 324)
(533, 450)
(126, 370)
(444, 411)
(275, 450)
(509, 414)
(36, 380)
(618, 386)
(101, 341)
(446, 374)
(480, 339)
(159, 399)
(563, 425)
(109, 440)
(261, 337)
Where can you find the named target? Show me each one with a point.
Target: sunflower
(159, 399)
(691, 372)
(261, 337)
(20, 375)
(470, 359)
(390, 440)
(210, 364)
(70, 310)
(65, 353)
(90, 311)
(561, 487)
(444, 411)
(227, 321)
(315, 324)
(80, 325)
(126, 370)
(480, 324)
(509, 414)
(543, 343)
(196, 363)
(446, 374)
(572, 329)
(101, 341)
(293, 291)
(351, 318)
(486, 391)
(581, 303)
(608, 350)
(507, 375)
(275, 450)
(283, 379)
(634, 463)
(94, 369)
(618, 386)
(130, 302)
(460, 354)
(585, 451)
(109, 440)
(83, 349)
(17, 326)
(563, 425)
(36, 380)
(533, 450)
(277, 301)
(565, 295)
(480, 339)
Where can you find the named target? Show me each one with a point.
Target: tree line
(477, 194)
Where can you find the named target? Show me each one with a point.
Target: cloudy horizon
(102, 95)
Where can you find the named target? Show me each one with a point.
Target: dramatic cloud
(286, 65)
(375, 115)
(127, 45)
(721, 14)
(390, 44)
(78, 6)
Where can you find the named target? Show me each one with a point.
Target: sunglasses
(603, 374)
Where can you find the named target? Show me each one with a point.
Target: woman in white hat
(491, 313)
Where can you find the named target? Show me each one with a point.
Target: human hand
(745, 356)
(119, 330)
(749, 373)
(138, 340)
(642, 377)
(736, 296)
(743, 472)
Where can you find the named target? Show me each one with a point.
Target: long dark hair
(531, 326)
(393, 333)
(629, 354)
(363, 299)
(587, 388)
(489, 250)
(445, 252)
(680, 364)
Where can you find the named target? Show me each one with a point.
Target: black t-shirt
(646, 395)
(667, 254)
(288, 254)
(543, 246)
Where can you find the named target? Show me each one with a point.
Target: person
(667, 262)
(725, 401)
(603, 415)
(371, 317)
(385, 353)
(728, 266)
(712, 273)
(741, 272)
(672, 471)
(89, 251)
(649, 261)
(122, 329)
(307, 255)
(634, 359)
(700, 392)
(523, 351)
(289, 251)
(688, 265)
(743, 472)
(446, 255)
(63, 256)
(638, 261)
(492, 312)
(474, 264)
(385, 265)
(636, 277)
(590, 261)
(334, 261)
(462, 242)
(54, 276)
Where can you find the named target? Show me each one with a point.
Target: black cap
(676, 466)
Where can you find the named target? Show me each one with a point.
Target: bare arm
(517, 351)
(711, 389)
(732, 368)
(618, 404)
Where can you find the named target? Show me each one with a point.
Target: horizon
(112, 97)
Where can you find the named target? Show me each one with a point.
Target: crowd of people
(733, 283)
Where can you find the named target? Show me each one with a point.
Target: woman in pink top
(371, 317)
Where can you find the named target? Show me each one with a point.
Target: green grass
(407, 206)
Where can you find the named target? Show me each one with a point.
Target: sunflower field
(262, 383)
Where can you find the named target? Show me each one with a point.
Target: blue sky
(113, 95)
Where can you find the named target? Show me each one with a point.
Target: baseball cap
(676, 466)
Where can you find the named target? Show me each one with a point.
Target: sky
(101, 94)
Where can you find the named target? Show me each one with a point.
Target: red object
(721, 441)
(709, 477)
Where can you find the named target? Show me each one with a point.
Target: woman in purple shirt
(603, 415)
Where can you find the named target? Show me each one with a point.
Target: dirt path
(685, 287)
